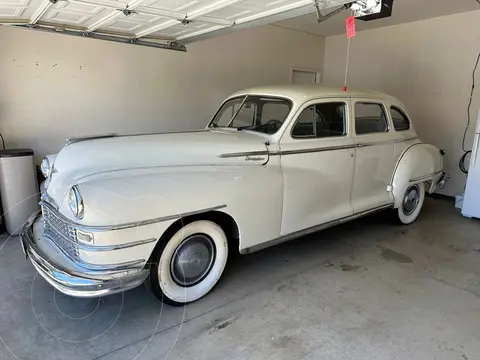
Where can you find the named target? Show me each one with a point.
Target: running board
(312, 230)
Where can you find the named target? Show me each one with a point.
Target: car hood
(80, 161)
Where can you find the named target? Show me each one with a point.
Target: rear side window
(370, 118)
(400, 120)
(321, 121)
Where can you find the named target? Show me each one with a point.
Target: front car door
(317, 160)
(374, 155)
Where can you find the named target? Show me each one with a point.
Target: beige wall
(53, 86)
(428, 66)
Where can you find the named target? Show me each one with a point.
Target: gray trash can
(18, 187)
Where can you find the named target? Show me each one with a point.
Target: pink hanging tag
(351, 32)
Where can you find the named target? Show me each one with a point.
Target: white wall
(53, 86)
(428, 66)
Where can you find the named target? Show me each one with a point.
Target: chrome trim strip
(94, 283)
(75, 139)
(312, 230)
(426, 177)
(243, 154)
(120, 267)
(94, 248)
(314, 150)
(45, 198)
(129, 265)
(132, 224)
(373, 143)
(407, 139)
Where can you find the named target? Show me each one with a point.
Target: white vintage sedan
(274, 164)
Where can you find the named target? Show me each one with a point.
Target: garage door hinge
(185, 21)
(125, 12)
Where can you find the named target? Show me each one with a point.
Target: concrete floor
(366, 290)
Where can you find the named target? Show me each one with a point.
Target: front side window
(254, 113)
(400, 120)
(321, 121)
(227, 112)
(370, 118)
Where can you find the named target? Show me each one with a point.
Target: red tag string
(346, 65)
(351, 32)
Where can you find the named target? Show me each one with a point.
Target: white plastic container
(18, 187)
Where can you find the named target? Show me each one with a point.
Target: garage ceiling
(404, 11)
(171, 22)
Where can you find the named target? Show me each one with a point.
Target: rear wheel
(412, 203)
(190, 263)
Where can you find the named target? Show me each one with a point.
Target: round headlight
(75, 202)
(45, 167)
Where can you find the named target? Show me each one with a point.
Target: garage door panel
(124, 26)
(65, 16)
(81, 8)
(11, 11)
(31, 6)
(13, 8)
(132, 23)
(172, 30)
(138, 21)
(173, 5)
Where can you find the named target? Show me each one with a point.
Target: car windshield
(255, 113)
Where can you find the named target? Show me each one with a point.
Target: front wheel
(190, 263)
(412, 203)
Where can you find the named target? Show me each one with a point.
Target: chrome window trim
(236, 113)
(131, 224)
(345, 121)
(245, 96)
(404, 115)
(385, 113)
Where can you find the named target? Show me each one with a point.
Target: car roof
(302, 93)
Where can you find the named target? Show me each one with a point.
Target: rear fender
(419, 163)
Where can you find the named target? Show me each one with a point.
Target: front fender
(251, 195)
(419, 163)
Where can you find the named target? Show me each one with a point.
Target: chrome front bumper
(68, 277)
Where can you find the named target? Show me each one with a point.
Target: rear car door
(374, 155)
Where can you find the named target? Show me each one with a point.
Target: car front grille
(60, 232)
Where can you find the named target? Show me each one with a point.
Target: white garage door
(160, 23)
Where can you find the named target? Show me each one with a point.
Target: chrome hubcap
(193, 259)
(410, 202)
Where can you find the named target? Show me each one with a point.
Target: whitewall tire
(189, 264)
(412, 203)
